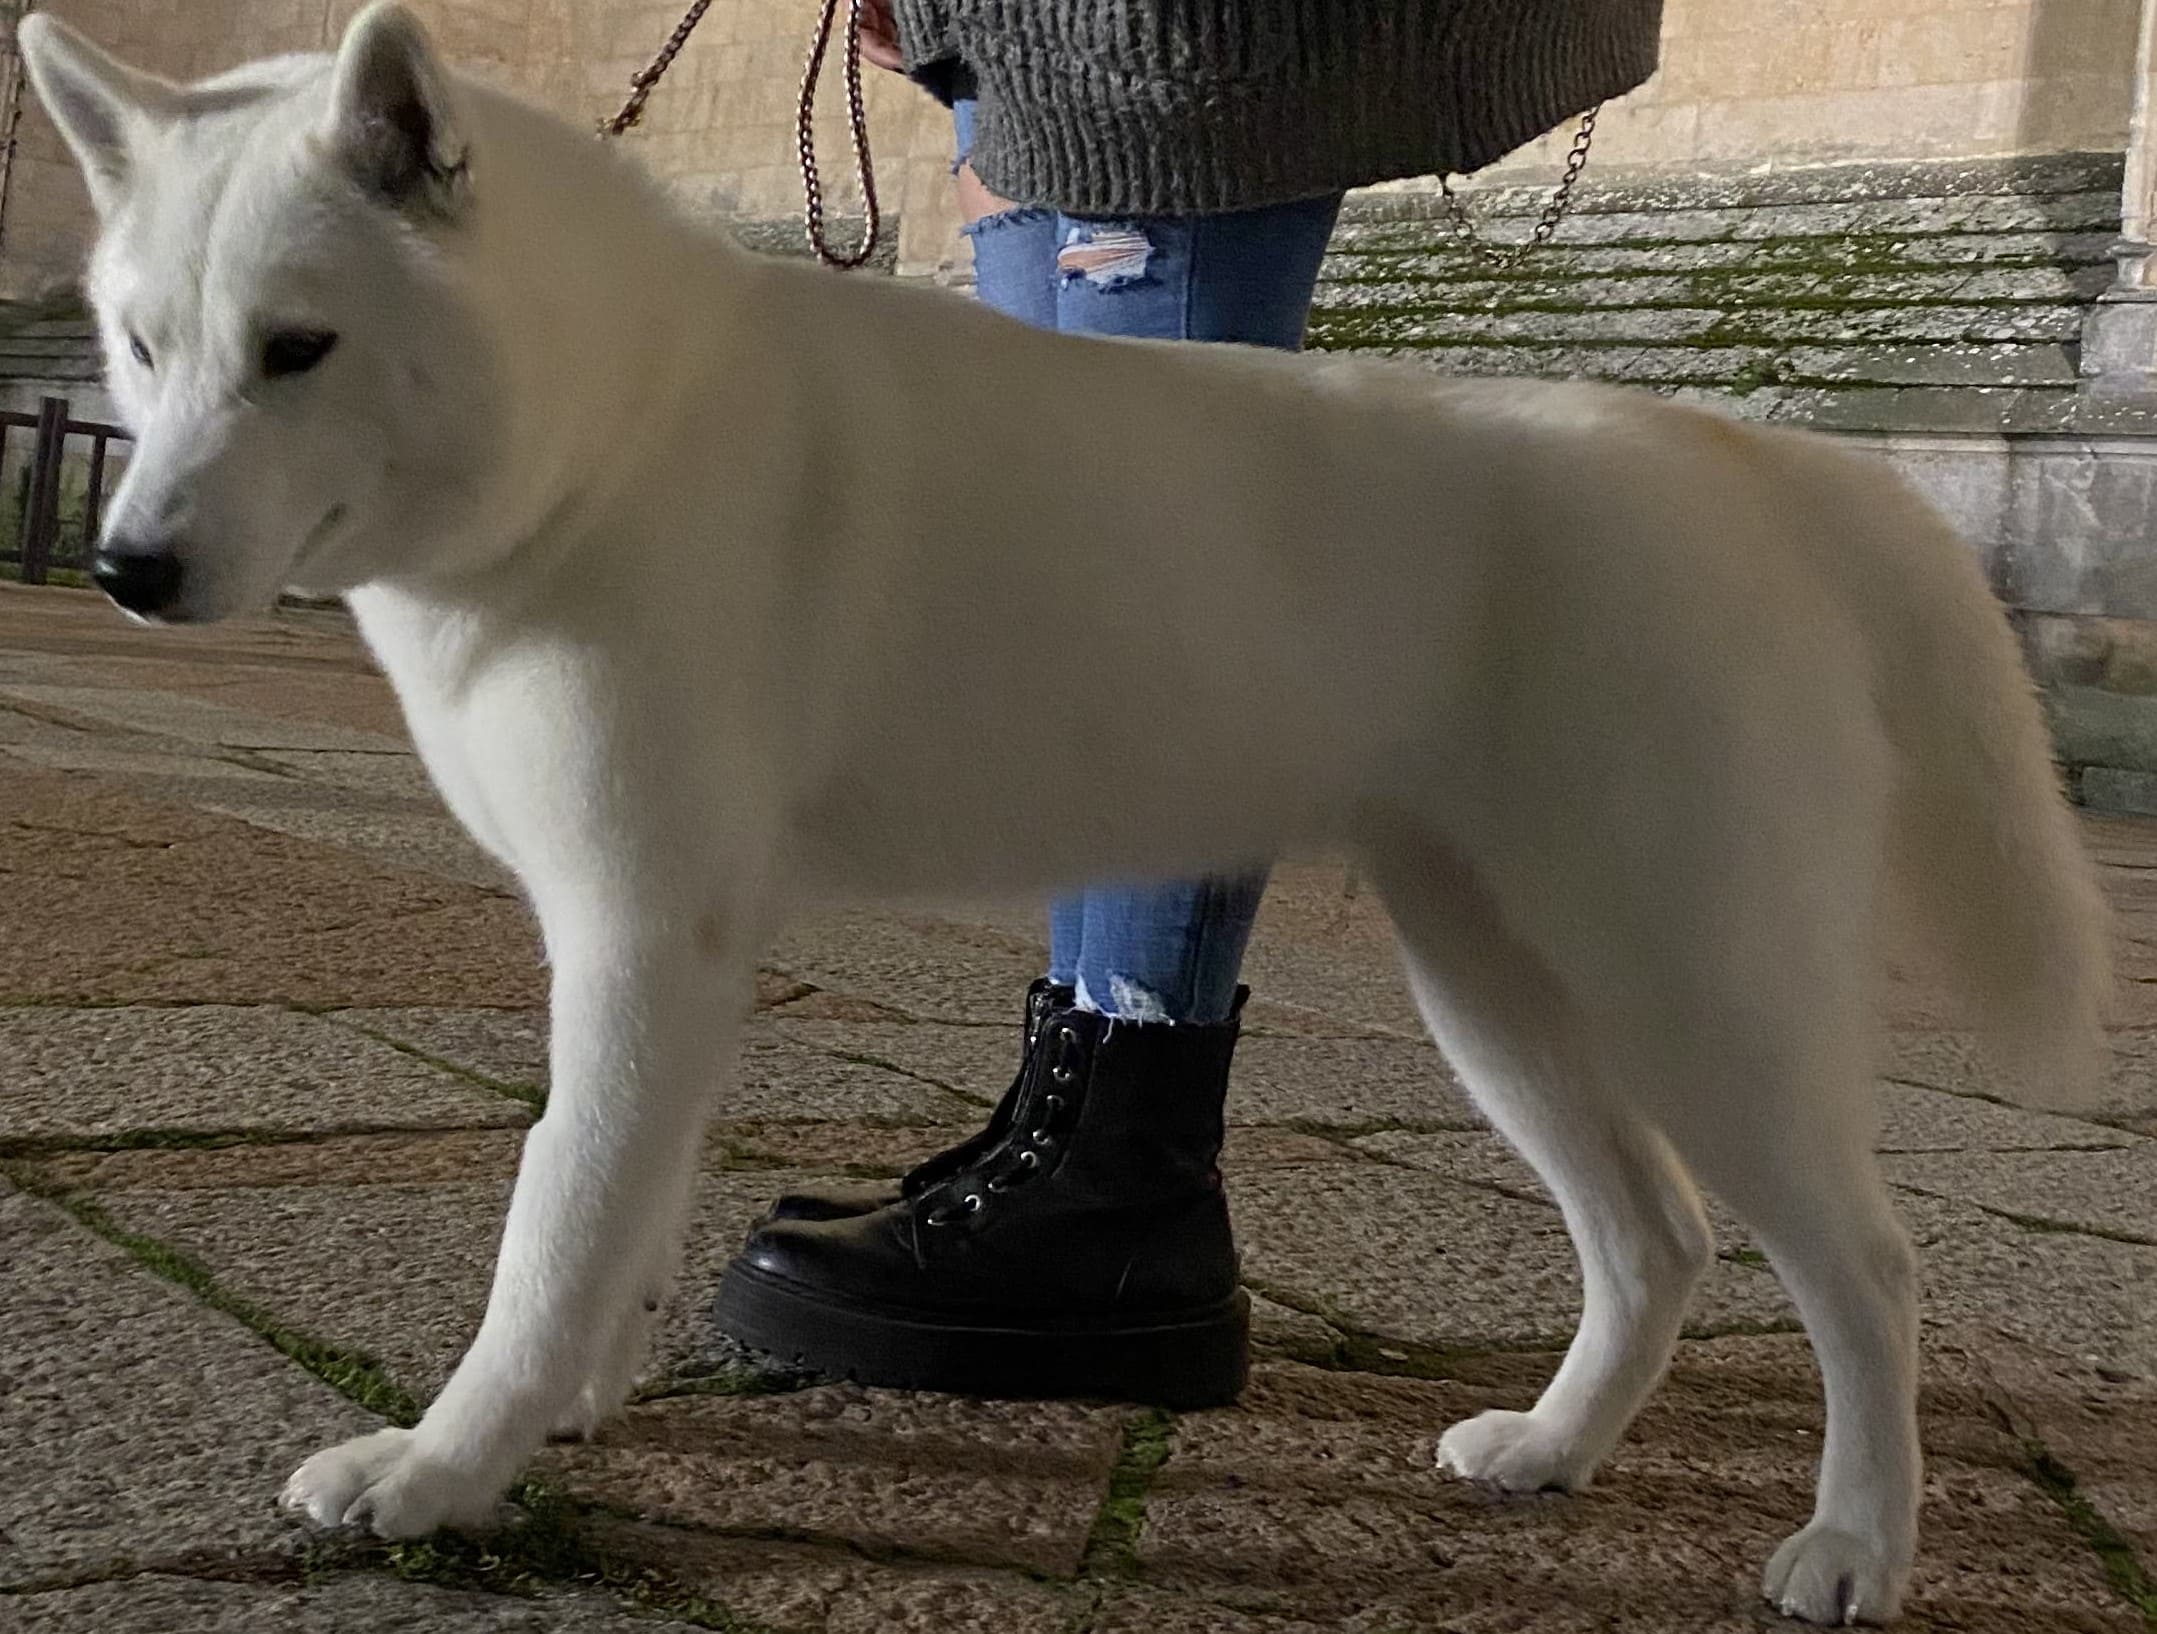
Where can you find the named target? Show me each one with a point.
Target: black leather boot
(1084, 1252)
(1043, 1000)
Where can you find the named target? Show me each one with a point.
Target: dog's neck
(599, 274)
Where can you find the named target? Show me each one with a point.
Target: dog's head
(279, 285)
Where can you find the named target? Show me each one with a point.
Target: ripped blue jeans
(1154, 952)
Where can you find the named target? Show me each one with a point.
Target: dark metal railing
(36, 546)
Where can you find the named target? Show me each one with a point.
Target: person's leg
(1014, 244)
(1172, 951)
(1081, 1244)
(1015, 273)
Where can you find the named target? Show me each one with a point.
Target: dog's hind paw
(1829, 1576)
(387, 1484)
(1512, 1453)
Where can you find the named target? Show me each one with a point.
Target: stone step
(1931, 279)
(1562, 259)
(1409, 317)
(1743, 368)
(1740, 223)
(1433, 281)
(1603, 191)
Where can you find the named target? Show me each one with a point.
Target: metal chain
(640, 84)
(812, 188)
(1554, 212)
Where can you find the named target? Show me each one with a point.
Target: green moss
(32, 1147)
(1112, 1546)
(349, 1372)
(547, 1549)
(2123, 1568)
(530, 1095)
(730, 1381)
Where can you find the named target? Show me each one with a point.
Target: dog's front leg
(646, 1015)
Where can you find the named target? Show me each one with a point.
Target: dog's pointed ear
(391, 122)
(102, 106)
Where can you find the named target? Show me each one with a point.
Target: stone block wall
(720, 129)
(1780, 83)
(1772, 83)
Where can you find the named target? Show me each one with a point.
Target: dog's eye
(295, 351)
(140, 352)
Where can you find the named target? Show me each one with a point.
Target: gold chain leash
(857, 125)
(642, 83)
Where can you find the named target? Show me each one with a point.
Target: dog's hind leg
(1794, 1160)
(1504, 1023)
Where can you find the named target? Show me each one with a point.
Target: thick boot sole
(1184, 1360)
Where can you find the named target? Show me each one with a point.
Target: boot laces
(1025, 1151)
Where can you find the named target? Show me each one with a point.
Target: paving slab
(2082, 1296)
(400, 1271)
(975, 1060)
(1316, 1503)
(1347, 1084)
(981, 1482)
(196, 720)
(1484, 1159)
(811, 1589)
(384, 775)
(2097, 1426)
(509, 1046)
(408, 834)
(138, 1424)
(784, 1074)
(1337, 1082)
(1915, 1119)
(363, 703)
(919, 966)
(1417, 1256)
(1912, 1120)
(136, 760)
(102, 1073)
(1318, 948)
(109, 897)
(348, 1603)
(403, 1157)
(1941, 1058)
(2105, 1192)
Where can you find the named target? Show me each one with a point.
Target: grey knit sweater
(1162, 107)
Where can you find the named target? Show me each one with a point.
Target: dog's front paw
(388, 1484)
(1511, 1452)
(1826, 1575)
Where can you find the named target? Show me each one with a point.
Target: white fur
(712, 585)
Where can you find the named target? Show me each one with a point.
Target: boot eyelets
(964, 1208)
(1029, 1160)
(1064, 1068)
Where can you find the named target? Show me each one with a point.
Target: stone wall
(1771, 83)
(721, 129)
(1777, 83)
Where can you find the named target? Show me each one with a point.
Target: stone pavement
(270, 1032)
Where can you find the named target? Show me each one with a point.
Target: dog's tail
(1984, 847)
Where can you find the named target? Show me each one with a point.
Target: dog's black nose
(142, 579)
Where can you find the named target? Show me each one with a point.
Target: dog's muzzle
(143, 580)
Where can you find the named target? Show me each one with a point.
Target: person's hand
(880, 36)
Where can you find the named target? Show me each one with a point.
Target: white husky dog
(704, 584)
